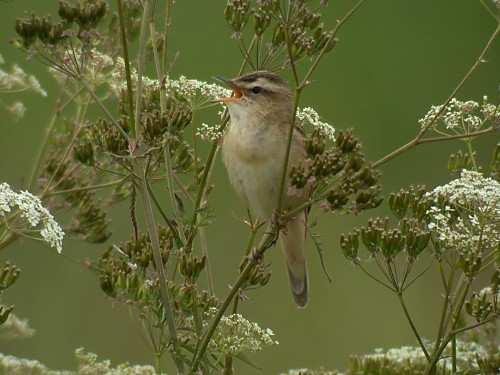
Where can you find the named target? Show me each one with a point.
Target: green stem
(86, 188)
(413, 327)
(457, 136)
(128, 74)
(418, 138)
(455, 316)
(253, 260)
(337, 28)
(103, 108)
(48, 131)
(454, 355)
(141, 62)
(470, 150)
(153, 235)
(447, 287)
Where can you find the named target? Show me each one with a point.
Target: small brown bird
(254, 147)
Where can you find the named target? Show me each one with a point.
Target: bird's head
(259, 95)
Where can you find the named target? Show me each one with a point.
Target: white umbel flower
(33, 212)
(461, 116)
(308, 116)
(235, 335)
(468, 221)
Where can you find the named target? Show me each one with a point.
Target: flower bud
(349, 243)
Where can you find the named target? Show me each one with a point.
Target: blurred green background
(394, 60)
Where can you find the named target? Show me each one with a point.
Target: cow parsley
(235, 335)
(465, 212)
(33, 212)
(461, 116)
(308, 116)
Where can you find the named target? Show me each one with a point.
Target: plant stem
(418, 138)
(163, 106)
(153, 234)
(127, 67)
(455, 316)
(447, 287)
(254, 259)
(48, 131)
(85, 188)
(168, 16)
(412, 325)
(376, 278)
(457, 136)
(454, 355)
(339, 25)
(141, 62)
(103, 108)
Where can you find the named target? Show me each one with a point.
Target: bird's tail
(293, 241)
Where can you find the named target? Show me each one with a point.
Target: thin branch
(376, 279)
(127, 66)
(415, 141)
(337, 28)
(165, 296)
(86, 188)
(103, 107)
(141, 53)
(457, 136)
(413, 327)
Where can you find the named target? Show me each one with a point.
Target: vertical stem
(412, 325)
(127, 67)
(454, 355)
(43, 147)
(153, 234)
(141, 57)
(163, 107)
(168, 6)
(471, 153)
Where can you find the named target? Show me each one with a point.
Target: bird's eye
(256, 89)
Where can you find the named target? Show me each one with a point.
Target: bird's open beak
(237, 92)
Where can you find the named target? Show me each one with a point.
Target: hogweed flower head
(16, 328)
(17, 80)
(465, 213)
(462, 116)
(308, 116)
(34, 212)
(235, 335)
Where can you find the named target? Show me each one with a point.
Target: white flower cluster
(210, 133)
(197, 93)
(235, 335)
(19, 366)
(308, 116)
(195, 90)
(468, 221)
(17, 80)
(408, 357)
(14, 81)
(88, 364)
(16, 328)
(118, 80)
(462, 116)
(32, 210)
(305, 371)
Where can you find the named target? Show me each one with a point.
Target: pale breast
(254, 160)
